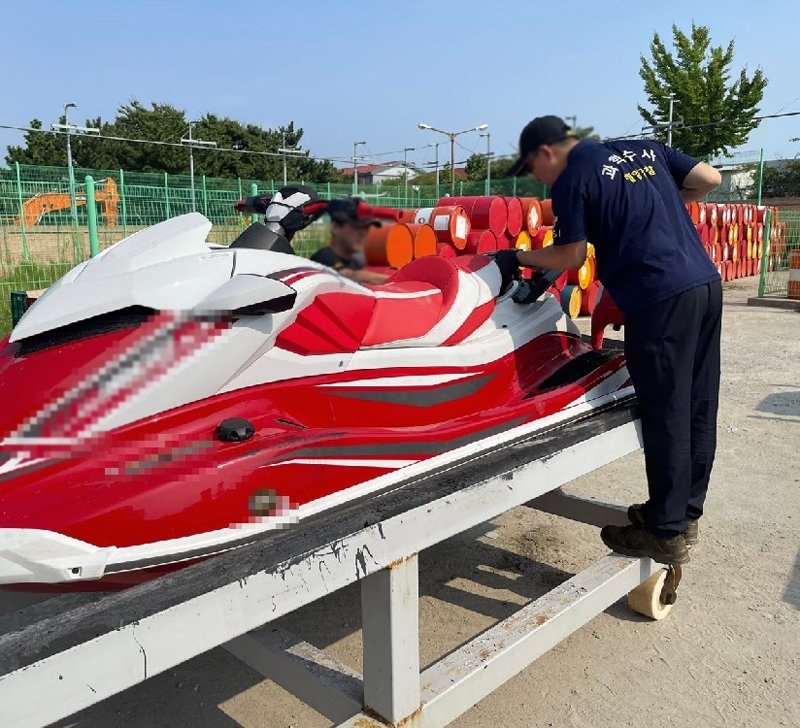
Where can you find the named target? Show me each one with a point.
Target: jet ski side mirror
(248, 295)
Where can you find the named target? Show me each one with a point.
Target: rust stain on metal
(376, 720)
(397, 562)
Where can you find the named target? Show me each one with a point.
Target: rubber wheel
(646, 598)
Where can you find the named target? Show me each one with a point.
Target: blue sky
(372, 70)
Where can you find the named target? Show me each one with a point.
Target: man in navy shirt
(628, 197)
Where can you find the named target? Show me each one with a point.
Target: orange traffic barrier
(424, 240)
(480, 241)
(531, 213)
(515, 223)
(451, 225)
(390, 245)
(407, 216)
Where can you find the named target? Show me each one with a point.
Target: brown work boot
(635, 541)
(691, 535)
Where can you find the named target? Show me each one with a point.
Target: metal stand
(88, 653)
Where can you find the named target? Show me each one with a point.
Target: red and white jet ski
(170, 399)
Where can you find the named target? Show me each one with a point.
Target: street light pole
(437, 170)
(669, 129)
(283, 146)
(355, 168)
(488, 136)
(191, 142)
(73, 207)
(451, 135)
(405, 172)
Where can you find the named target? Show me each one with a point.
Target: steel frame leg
(390, 618)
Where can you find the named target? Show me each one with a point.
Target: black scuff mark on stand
(141, 647)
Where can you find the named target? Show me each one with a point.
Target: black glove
(508, 263)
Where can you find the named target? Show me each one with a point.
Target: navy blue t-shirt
(624, 198)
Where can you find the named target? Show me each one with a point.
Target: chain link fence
(783, 238)
(42, 235)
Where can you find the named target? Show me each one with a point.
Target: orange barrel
(726, 214)
(408, 216)
(694, 212)
(734, 248)
(480, 241)
(531, 213)
(703, 232)
(583, 276)
(489, 213)
(571, 298)
(717, 253)
(446, 250)
(590, 298)
(701, 213)
(749, 246)
(389, 245)
(423, 216)
(720, 266)
(793, 289)
(731, 266)
(451, 225)
(590, 250)
(522, 241)
(515, 223)
(542, 238)
(712, 213)
(424, 240)
(547, 212)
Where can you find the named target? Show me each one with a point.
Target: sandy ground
(728, 654)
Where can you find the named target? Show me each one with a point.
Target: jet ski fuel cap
(235, 429)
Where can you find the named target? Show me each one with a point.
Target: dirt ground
(728, 654)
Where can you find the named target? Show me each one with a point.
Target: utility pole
(574, 125)
(669, 128)
(488, 136)
(355, 168)
(451, 135)
(70, 129)
(191, 143)
(283, 146)
(405, 172)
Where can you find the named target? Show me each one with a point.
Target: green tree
(39, 148)
(781, 181)
(716, 113)
(161, 122)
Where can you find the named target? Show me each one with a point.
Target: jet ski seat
(431, 301)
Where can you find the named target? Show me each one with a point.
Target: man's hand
(508, 263)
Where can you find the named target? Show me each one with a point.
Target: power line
(723, 122)
(231, 150)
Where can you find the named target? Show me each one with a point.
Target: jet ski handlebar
(259, 203)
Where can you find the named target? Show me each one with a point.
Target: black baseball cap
(542, 130)
(345, 210)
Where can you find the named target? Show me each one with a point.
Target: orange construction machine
(39, 205)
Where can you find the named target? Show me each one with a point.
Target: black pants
(673, 358)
